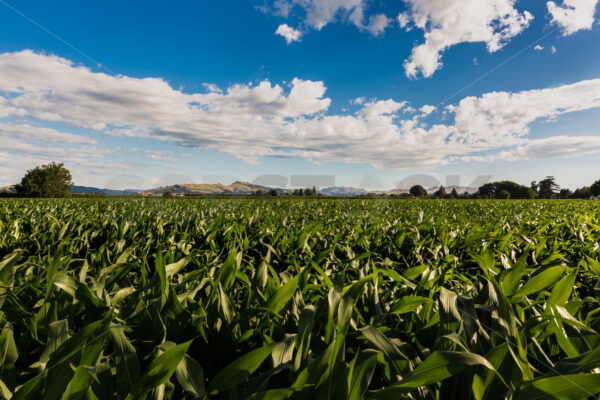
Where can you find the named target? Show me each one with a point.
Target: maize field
(299, 299)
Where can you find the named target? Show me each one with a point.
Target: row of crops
(300, 299)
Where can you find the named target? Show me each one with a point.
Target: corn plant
(299, 299)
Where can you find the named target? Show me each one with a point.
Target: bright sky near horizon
(138, 95)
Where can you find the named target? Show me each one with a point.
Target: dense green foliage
(51, 180)
(302, 299)
(418, 191)
(547, 188)
(514, 190)
(595, 188)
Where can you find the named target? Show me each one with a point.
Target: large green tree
(547, 188)
(51, 180)
(582, 193)
(441, 192)
(503, 194)
(595, 188)
(515, 191)
(418, 191)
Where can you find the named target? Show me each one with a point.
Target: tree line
(54, 180)
(547, 188)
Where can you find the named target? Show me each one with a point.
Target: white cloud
(24, 146)
(319, 13)
(211, 87)
(445, 24)
(358, 100)
(290, 34)
(378, 24)
(254, 121)
(448, 23)
(545, 148)
(501, 116)
(538, 48)
(426, 110)
(26, 132)
(553, 49)
(573, 15)
(403, 20)
(553, 147)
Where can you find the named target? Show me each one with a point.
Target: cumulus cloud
(545, 148)
(501, 116)
(426, 110)
(403, 19)
(553, 147)
(445, 23)
(538, 48)
(378, 24)
(448, 23)
(317, 14)
(31, 133)
(573, 15)
(211, 87)
(290, 34)
(23, 146)
(252, 121)
(158, 155)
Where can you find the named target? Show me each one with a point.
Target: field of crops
(301, 299)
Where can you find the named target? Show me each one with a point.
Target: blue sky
(516, 112)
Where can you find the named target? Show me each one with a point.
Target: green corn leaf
(594, 265)
(540, 281)
(283, 351)
(5, 392)
(408, 304)
(158, 371)
(562, 290)
(303, 338)
(126, 361)
(284, 294)
(273, 394)
(563, 387)
(229, 268)
(239, 370)
(391, 351)
(174, 268)
(438, 366)
(63, 281)
(6, 266)
(74, 344)
(226, 305)
(189, 373)
(486, 262)
(360, 374)
(505, 325)
(162, 275)
(80, 383)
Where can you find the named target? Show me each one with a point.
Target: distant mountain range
(459, 189)
(342, 191)
(94, 190)
(240, 188)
